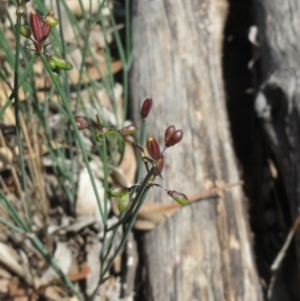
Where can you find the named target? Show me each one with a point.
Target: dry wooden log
(277, 106)
(204, 251)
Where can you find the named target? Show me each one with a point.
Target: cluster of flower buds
(127, 132)
(151, 153)
(38, 31)
(102, 130)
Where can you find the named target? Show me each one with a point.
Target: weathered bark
(204, 251)
(278, 100)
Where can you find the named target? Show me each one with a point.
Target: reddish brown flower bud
(146, 107)
(179, 197)
(174, 138)
(81, 122)
(46, 31)
(160, 166)
(128, 130)
(169, 131)
(36, 26)
(39, 49)
(153, 148)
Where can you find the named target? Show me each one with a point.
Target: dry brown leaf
(75, 58)
(128, 164)
(86, 202)
(4, 274)
(153, 214)
(10, 258)
(4, 286)
(92, 279)
(53, 293)
(79, 272)
(8, 117)
(18, 291)
(6, 157)
(63, 257)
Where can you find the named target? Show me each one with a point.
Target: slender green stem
(39, 246)
(67, 91)
(84, 53)
(83, 12)
(5, 79)
(127, 28)
(127, 231)
(125, 93)
(102, 259)
(18, 129)
(108, 62)
(10, 225)
(12, 212)
(136, 199)
(77, 134)
(128, 51)
(115, 231)
(105, 171)
(64, 49)
(20, 82)
(124, 237)
(142, 143)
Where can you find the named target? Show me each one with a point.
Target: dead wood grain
(278, 100)
(203, 252)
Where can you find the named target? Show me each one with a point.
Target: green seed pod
(61, 63)
(179, 197)
(51, 62)
(124, 203)
(118, 191)
(50, 21)
(25, 31)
